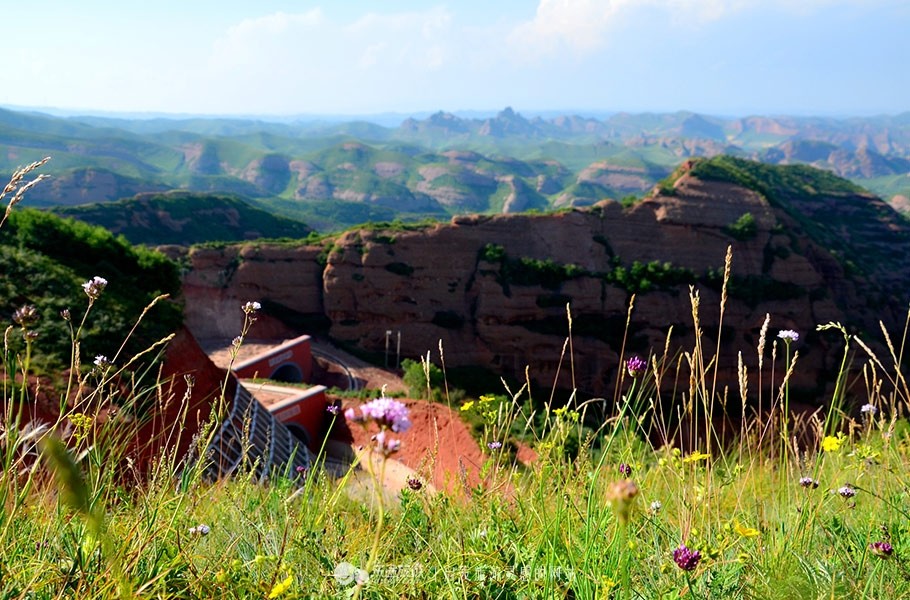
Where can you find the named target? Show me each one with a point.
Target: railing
(251, 438)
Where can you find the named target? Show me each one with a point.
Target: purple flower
(94, 286)
(495, 445)
(808, 482)
(625, 470)
(25, 316)
(201, 529)
(788, 335)
(846, 491)
(868, 409)
(414, 483)
(385, 445)
(881, 549)
(333, 409)
(636, 366)
(387, 413)
(686, 559)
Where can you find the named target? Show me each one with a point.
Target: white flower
(656, 506)
(868, 409)
(94, 286)
(788, 335)
(251, 307)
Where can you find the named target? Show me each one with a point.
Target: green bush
(744, 228)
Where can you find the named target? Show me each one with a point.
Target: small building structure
(290, 362)
(301, 411)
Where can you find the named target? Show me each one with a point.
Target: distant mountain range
(331, 174)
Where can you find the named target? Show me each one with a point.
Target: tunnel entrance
(288, 373)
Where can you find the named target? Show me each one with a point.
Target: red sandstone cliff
(435, 284)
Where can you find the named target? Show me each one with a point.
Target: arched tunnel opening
(288, 373)
(298, 432)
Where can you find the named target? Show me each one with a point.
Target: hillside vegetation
(186, 218)
(44, 260)
(334, 175)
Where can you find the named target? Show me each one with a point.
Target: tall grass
(650, 499)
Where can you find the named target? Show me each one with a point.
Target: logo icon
(346, 574)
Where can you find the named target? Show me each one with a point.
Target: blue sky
(359, 57)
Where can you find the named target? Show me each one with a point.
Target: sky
(361, 57)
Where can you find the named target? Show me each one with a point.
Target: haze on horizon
(285, 57)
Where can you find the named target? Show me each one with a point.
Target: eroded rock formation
(494, 289)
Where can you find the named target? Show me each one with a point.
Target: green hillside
(435, 167)
(45, 260)
(186, 218)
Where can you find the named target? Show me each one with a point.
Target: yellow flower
(485, 398)
(831, 443)
(696, 456)
(744, 531)
(281, 587)
(467, 406)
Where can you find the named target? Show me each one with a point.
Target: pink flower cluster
(385, 412)
(389, 415)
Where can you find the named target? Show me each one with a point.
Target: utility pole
(388, 332)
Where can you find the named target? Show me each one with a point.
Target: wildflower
(625, 470)
(102, 362)
(494, 445)
(788, 335)
(302, 470)
(868, 409)
(237, 342)
(831, 443)
(636, 366)
(415, 484)
(808, 482)
(387, 413)
(30, 336)
(467, 406)
(846, 491)
(333, 409)
(744, 531)
(686, 559)
(281, 587)
(881, 549)
(25, 316)
(251, 308)
(696, 456)
(93, 287)
(386, 446)
(201, 529)
(656, 506)
(352, 416)
(620, 495)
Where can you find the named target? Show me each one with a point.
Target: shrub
(744, 228)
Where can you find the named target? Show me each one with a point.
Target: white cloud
(585, 26)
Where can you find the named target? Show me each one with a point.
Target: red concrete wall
(180, 411)
(294, 352)
(306, 411)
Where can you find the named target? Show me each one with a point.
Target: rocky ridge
(494, 290)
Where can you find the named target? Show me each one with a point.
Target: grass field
(812, 507)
